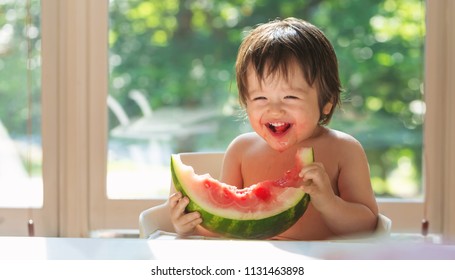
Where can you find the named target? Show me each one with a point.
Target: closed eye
(291, 97)
(259, 98)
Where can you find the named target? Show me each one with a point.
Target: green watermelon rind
(264, 228)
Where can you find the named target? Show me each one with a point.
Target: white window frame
(75, 66)
(439, 132)
(74, 91)
(14, 221)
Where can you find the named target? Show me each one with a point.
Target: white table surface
(170, 248)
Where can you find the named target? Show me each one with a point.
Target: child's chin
(279, 146)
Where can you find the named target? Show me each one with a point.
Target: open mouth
(278, 128)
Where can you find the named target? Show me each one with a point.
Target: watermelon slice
(260, 211)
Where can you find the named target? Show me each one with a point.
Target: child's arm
(230, 172)
(355, 209)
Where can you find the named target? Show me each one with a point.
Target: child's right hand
(184, 223)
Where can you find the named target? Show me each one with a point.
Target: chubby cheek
(304, 130)
(254, 119)
(258, 127)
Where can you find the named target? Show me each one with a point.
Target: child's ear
(327, 108)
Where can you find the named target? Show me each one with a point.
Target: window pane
(172, 86)
(381, 63)
(20, 111)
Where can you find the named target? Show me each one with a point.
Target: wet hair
(271, 47)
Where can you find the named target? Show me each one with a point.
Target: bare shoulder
(246, 138)
(335, 145)
(243, 146)
(343, 140)
(341, 136)
(244, 141)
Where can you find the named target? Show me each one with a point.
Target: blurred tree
(14, 63)
(182, 53)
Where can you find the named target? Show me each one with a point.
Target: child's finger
(174, 199)
(179, 209)
(187, 223)
(191, 219)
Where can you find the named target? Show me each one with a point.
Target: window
(172, 87)
(75, 61)
(20, 130)
(23, 199)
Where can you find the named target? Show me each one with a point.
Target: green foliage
(182, 53)
(16, 52)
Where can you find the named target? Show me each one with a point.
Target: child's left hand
(317, 184)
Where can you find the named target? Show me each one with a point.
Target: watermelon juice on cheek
(279, 145)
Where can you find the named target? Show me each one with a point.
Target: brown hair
(276, 43)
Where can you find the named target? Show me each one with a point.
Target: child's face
(284, 112)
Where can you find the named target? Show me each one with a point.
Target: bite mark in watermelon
(260, 211)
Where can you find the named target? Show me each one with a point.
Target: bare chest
(260, 168)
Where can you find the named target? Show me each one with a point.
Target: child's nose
(276, 108)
